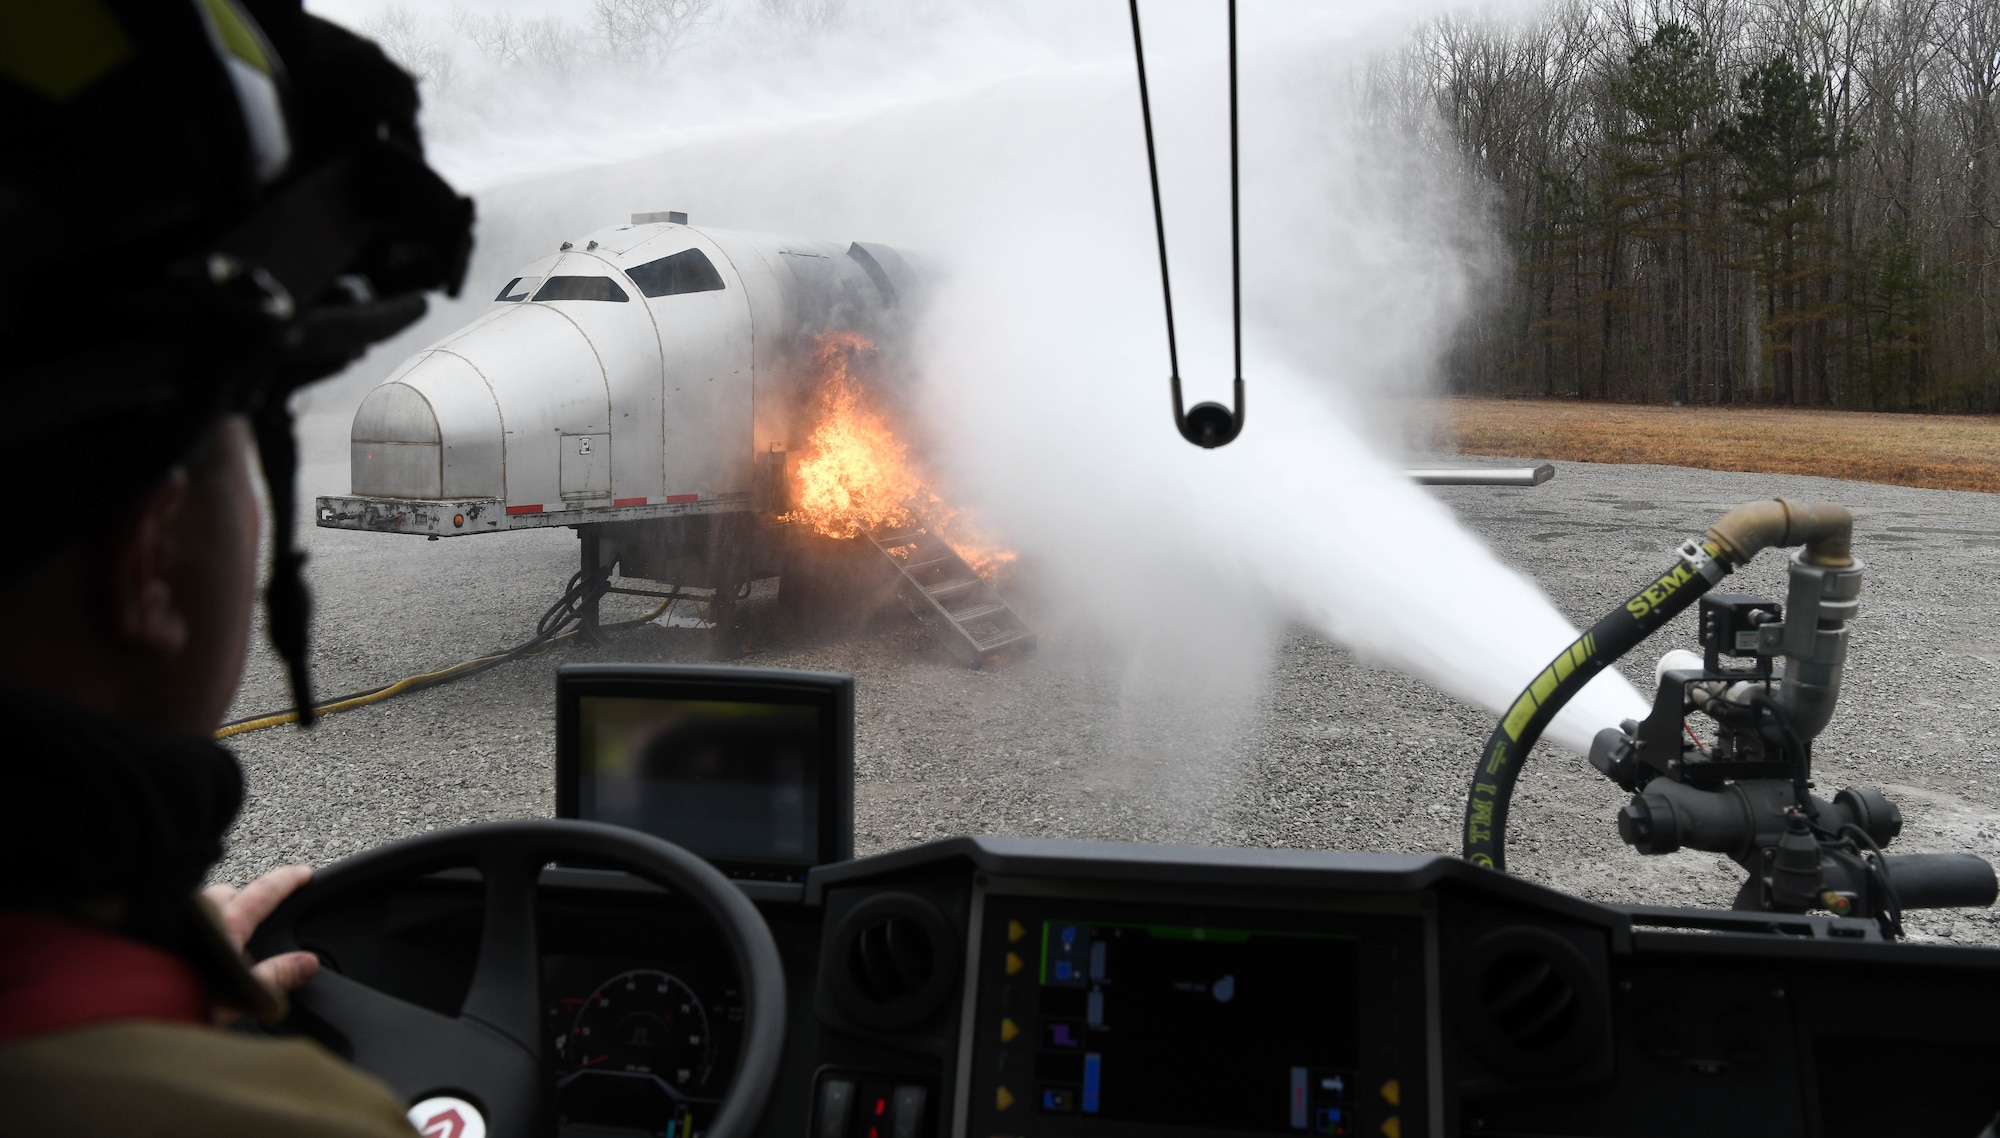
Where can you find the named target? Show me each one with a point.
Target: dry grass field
(1941, 452)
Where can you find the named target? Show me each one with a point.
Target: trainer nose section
(398, 449)
(432, 432)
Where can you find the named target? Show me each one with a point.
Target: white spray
(1018, 178)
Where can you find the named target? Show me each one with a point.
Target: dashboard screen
(1131, 1015)
(750, 768)
(734, 781)
(1106, 1019)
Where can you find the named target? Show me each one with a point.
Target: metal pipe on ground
(1484, 475)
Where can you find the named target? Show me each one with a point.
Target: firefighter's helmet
(207, 204)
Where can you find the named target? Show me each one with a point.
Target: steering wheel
(490, 1053)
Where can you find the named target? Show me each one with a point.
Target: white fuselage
(639, 372)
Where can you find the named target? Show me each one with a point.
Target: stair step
(951, 588)
(982, 625)
(1012, 636)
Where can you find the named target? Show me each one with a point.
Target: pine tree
(1783, 150)
(1671, 92)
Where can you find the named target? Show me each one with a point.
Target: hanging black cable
(1208, 425)
(1235, 235)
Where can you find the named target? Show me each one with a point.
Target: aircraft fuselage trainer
(644, 384)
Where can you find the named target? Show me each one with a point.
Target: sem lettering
(1659, 591)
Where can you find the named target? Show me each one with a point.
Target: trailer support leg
(587, 615)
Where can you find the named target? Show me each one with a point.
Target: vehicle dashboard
(1008, 987)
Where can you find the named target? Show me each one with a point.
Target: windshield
(581, 288)
(686, 271)
(916, 289)
(517, 289)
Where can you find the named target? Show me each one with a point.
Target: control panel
(1009, 988)
(1101, 1018)
(865, 1104)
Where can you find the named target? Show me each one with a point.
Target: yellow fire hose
(422, 680)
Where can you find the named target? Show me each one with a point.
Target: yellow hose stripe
(1518, 716)
(1545, 685)
(235, 31)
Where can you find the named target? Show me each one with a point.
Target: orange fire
(855, 476)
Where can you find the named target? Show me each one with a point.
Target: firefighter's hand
(243, 910)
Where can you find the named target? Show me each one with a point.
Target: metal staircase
(967, 614)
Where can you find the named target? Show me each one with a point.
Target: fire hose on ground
(1748, 797)
(555, 626)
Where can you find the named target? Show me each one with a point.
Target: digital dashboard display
(752, 770)
(1110, 1019)
(733, 781)
(1131, 1015)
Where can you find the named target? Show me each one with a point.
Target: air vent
(1531, 1003)
(1526, 999)
(891, 962)
(892, 959)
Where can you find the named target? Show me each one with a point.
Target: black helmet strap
(287, 604)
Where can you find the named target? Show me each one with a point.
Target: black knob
(1647, 824)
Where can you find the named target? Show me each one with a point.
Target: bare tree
(806, 17)
(1704, 194)
(405, 39)
(646, 31)
(549, 44)
(497, 37)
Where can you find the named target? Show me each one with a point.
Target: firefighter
(206, 204)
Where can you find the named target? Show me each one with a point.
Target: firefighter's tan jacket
(141, 1078)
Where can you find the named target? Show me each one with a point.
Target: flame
(855, 476)
(967, 538)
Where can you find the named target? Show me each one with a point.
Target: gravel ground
(1064, 742)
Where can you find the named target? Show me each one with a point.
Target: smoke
(1047, 346)
(1002, 149)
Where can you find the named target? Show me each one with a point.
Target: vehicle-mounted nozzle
(1746, 792)
(1732, 625)
(1794, 879)
(1826, 530)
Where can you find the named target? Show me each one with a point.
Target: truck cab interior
(691, 949)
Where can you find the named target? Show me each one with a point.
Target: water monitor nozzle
(1748, 794)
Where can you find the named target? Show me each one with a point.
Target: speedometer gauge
(644, 1022)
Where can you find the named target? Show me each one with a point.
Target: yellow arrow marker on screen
(1008, 1030)
(1004, 1099)
(1014, 964)
(1015, 931)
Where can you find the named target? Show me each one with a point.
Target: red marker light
(881, 1107)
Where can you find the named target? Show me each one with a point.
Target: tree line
(1724, 201)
